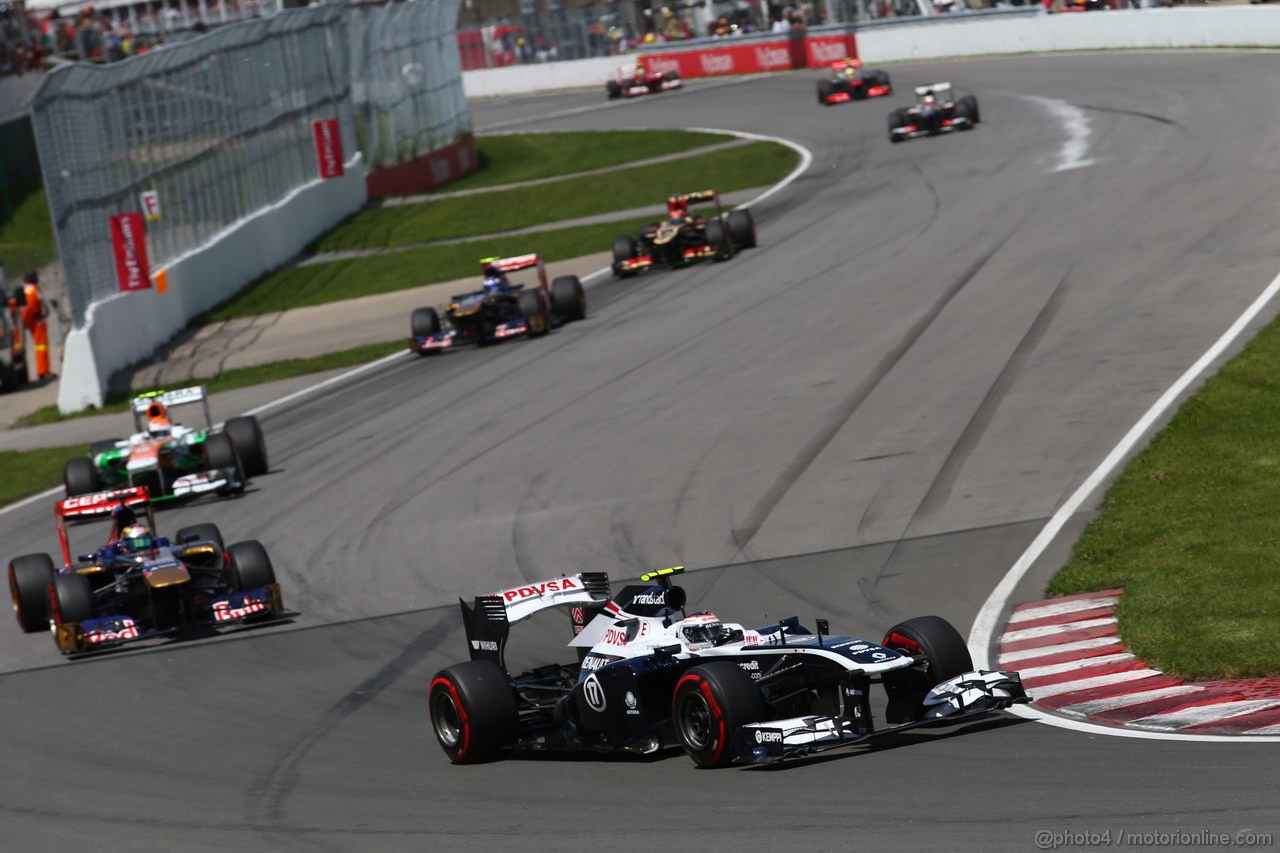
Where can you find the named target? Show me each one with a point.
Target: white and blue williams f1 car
(651, 676)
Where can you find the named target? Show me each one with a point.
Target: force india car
(633, 80)
(848, 82)
(139, 585)
(499, 310)
(651, 676)
(684, 237)
(936, 111)
(169, 459)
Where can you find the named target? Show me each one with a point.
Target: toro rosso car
(499, 309)
(651, 675)
(633, 80)
(936, 111)
(684, 237)
(848, 82)
(169, 459)
(139, 585)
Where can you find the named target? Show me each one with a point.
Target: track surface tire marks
(648, 434)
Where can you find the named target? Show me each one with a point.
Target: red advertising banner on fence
(787, 52)
(129, 241)
(328, 147)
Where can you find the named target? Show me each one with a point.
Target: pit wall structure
(126, 328)
(901, 39)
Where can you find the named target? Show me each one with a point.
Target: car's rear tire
(80, 477)
(424, 322)
(248, 566)
(881, 78)
(220, 452)
(70, 599)
(29, 579)
(568, 299)
(474, 711)
(203, 533)
(825, 90)
(536, 311)
(251, 445)
(718, 238)
(968, 107)
(742, 228)
(710, 703)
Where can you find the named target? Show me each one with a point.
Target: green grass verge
(530, 156)
(1191, 531)
(753, 165)
(27, 241)
(239, 377)
(296, 287)
(26, 472)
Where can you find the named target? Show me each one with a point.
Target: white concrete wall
(127, 328)
(945, 36)
(521, 79)
(961, 35)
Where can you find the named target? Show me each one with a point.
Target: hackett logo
(827, 51)
(328, 147)
(558, 585)
(773, 57)
(716, 63)
(129, 244)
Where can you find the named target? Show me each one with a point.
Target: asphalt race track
(867, 418)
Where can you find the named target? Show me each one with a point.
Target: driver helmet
(929, 100)
(136, 537)
(494, 280)
(158, 422)
(677, 208)
(700, 630)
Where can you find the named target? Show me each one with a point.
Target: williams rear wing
(489, 621)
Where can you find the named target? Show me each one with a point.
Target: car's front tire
(568, 299)
(249, 567)
(474, 711)
(947, 654)
(742, 228)
(710, 703)
(70, 599)
(29, 579)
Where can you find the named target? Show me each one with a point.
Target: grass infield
(1191, 531)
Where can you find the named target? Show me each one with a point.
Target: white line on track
(984, 625)
(1075, 126)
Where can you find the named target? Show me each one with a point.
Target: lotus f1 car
(499, 309)
(683, 237)
(139, 585)
(936, 111)
(169, 459)
(848, 82)
(633, 80)
(651, 675)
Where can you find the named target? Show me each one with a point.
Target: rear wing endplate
(488, 622)
(179, 397)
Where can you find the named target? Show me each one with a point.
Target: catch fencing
(221, 126)
(406, 79)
